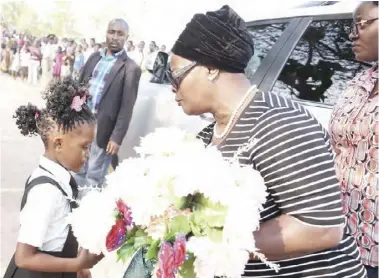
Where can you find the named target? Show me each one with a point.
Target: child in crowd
(16, 61)
(79, 62)
(5, 58)
(58, 63)
(67, 62)
(24, 62)
(46, 246)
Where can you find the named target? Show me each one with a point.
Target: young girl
(15, 68)
(24, 61)
(79, 62)
(58, 63)
(67, 61)
(46, 246)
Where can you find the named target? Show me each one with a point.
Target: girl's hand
(86, 260)
(85, 273)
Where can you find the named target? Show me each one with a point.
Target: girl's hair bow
(77, 103)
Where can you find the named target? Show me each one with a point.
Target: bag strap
(73, 184)
(39, 180)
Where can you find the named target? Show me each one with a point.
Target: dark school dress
(70, 248)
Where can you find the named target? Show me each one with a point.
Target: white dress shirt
(150, 60)
(43, 220)
(137, 56)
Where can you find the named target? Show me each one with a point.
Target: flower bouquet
(179, 207)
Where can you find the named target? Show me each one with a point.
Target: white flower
(217, 258)
(168, 141)
(92, 220)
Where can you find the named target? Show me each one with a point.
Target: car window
(264, 37)
(321, 64)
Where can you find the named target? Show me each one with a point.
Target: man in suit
(113, 85)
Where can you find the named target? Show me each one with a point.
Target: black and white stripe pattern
(294, 156)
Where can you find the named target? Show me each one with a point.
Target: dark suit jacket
(118, 97)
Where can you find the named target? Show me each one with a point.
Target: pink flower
(77, 103)
(125, 212)
(166, 261)
(180, 250)
(171, 258)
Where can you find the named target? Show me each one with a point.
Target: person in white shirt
(48, 55)
(24, 62)
(138, 55)
(151, 56)
(86, 52)
(46, 246)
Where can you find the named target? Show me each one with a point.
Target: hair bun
(26, 119)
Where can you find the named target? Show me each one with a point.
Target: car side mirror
(159, 69)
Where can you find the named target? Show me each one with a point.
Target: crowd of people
(32, 59)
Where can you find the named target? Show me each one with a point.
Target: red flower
(116, 236)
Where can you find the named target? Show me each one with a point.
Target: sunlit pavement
(19, 155)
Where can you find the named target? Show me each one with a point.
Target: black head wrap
(217, 39)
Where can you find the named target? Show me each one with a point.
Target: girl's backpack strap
(39, 180)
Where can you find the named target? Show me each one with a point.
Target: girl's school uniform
(45, 206)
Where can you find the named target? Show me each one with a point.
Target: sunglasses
(360, 25)
(176, 77)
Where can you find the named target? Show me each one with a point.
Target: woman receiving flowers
(302, 221)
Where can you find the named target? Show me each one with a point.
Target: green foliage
(152, 253)
(24, 18)
(180, 224)
(187, 269)
(126, 251)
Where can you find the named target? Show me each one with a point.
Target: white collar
(60, 174)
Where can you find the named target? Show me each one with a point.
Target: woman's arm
(295, 161)
(285, 237)
(28, 257)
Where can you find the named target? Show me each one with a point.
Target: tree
(19, 15)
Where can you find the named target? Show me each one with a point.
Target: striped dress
(293, 154)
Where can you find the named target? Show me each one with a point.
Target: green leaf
(180, 224)
(214, 234)
(198, 219)
(152, 253)
(182, 203)
(187, 269)
(131, 234)
(140, 233)
(214, 218)
(195, 229)
(209, 214)
(142, 241)
(170, 237)
(126, 251)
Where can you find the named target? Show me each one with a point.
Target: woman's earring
(213, 76)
